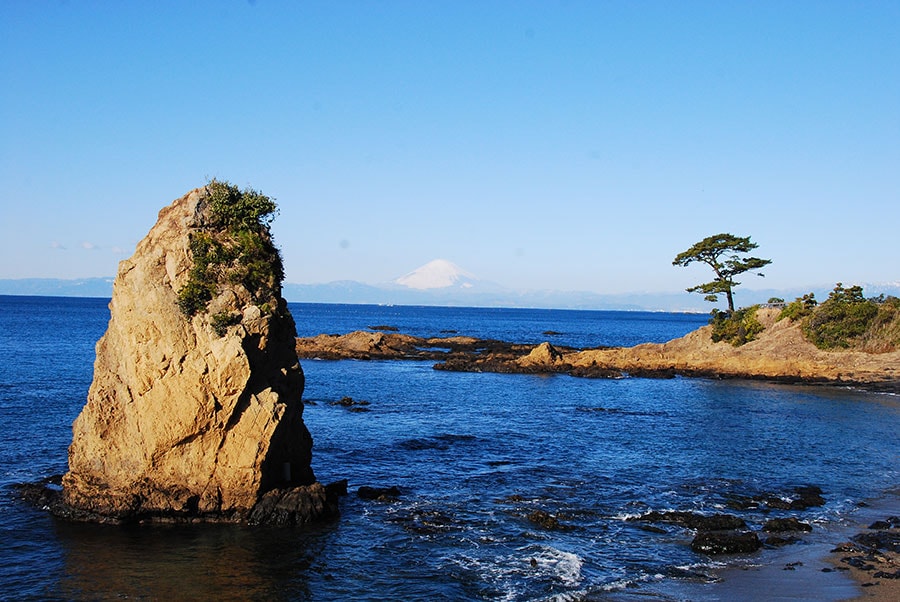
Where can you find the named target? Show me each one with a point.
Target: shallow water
(473, 454)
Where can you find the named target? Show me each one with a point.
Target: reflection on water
(198, 562)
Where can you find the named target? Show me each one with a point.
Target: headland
(779, 353)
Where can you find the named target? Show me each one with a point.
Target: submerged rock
(381, 494)
(692, 520)
(354, 405)
(804, 497)
(545, 520)
(195, 408)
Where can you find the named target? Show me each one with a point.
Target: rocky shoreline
(779, 523)
(780, 354)
(292, 506)
(872, 557)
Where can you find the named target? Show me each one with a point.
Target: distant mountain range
(441, 282)
(54, 287)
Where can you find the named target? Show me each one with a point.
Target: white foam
(510, 573)
(563, 566)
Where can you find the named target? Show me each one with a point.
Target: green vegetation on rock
(222, 320)
(235, 249)
(737, 327)
(847, 320)
(239, 210)
(799, 308)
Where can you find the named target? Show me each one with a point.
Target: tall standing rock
(195, 408)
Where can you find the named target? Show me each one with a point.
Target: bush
(222, 320)
(737, 328)
(235, 248)
(193, 297)
(799, 308)
(841, 321)
(239, 210)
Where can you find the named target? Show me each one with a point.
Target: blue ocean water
(473, 455)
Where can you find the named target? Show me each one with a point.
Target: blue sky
(540, 145)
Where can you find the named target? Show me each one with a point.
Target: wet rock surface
(713, 543)
(874, 554)
(296, 506)
(353, 405)
(693, 520)
(547, 521)
(723, 533)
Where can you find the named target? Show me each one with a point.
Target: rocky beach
(872, 556)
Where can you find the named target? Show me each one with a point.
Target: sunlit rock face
(190, 417)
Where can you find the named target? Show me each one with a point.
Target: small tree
(723, 253)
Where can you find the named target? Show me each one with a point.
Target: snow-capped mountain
(437, 274)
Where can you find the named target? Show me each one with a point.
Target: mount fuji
(437, 274)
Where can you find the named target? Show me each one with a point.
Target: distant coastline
(56, 287)
(357, 293)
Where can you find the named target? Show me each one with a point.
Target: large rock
(544, 355)
(191, 417)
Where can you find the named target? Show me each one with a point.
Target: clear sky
(540, 145)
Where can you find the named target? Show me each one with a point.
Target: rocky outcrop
(362, 345)
(193, 418)
(544, 354)
(780, 353)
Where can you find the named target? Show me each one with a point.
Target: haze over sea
(473, 455)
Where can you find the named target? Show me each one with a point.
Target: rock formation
(395, 346)
(544, 354)
(780, 353)
(195, 413)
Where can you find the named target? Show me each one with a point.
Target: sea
(479, 459)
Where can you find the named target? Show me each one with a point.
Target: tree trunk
(730, 298)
